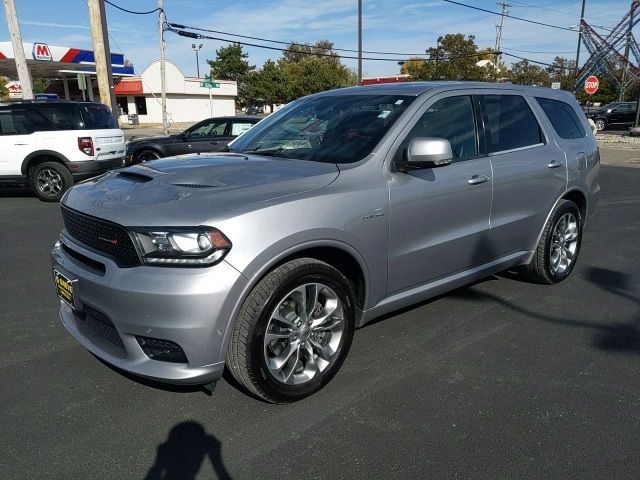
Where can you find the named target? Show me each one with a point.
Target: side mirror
(428, 152)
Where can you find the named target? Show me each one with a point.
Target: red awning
(129, 87)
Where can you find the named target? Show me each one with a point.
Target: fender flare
(264, 269)
(24, 169)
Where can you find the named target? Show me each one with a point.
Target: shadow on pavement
(619, 337)
(6, 192)
(181, 457)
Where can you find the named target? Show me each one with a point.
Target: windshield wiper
(271, 151)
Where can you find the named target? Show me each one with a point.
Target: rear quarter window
(563, 118)
(97, 117)
(53, 117)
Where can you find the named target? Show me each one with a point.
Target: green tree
(40, 84)
(231, 64)
(525, 73)
(563, 71)
(269, 85)
(454, 58)
(311, 68)
(4, 91)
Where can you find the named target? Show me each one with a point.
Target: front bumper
(191, 307)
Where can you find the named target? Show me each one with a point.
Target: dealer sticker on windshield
(64, 288)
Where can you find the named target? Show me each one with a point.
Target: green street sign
(209, 85)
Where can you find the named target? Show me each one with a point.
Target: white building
(187, 100)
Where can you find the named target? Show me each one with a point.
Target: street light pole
(436, 73)
(579, 37)
(359, 42)
(197, 49)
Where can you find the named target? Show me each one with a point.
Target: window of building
(451, 118)
(123, 105)
(509, 123)
(563, 118)
(141, 105)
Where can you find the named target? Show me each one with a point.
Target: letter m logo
(41, 52)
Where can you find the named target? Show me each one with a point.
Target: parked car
(254, 110)
(210, 135)
(341, 207)
(51, 145)
(617, 114)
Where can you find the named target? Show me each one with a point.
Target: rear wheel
(49, 181)
(145, 156)
(559, 246)
(293, 332)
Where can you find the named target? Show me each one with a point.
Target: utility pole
(505, 12)
(163, 80)
(436, 73)
(197, 49)
(102, 54)
(18, 50)
(623, 86)
(579, 38)
(359, 42)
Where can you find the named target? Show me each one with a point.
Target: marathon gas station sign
(49, 60)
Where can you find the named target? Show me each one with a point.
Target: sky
(406, 26)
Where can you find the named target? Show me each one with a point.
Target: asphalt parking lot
(502, 379)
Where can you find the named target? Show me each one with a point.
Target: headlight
(199, 246)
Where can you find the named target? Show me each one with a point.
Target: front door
(207, 136)
(439, 217)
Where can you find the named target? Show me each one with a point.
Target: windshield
(609, 106)
(327, 128)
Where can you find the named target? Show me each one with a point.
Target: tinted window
(509, 123)
(141, 105)
(14, 123)
(338, 128)
(98, 117)
(53, 117)
(209, 128)
(451, 118)
(563, 118)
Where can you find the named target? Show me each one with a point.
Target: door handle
(214, 143)
(477, 179)
(20, 144)
(555, 164)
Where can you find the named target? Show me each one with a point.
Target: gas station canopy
(50, 61)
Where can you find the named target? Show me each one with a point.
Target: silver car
(337, 209)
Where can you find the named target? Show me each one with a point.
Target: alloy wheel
(49, 182)
(564, 244)
(304, 333)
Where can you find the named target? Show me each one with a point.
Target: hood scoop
(134, 176)
(194, 185)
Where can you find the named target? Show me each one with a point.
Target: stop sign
(591, 85)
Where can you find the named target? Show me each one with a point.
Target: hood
(193, 189)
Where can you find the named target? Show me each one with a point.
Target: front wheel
(601, 124)
(293, 332)
(559, 246)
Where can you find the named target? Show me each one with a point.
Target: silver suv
(339, 208)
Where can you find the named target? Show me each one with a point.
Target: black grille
(101, 235)
(101, 325)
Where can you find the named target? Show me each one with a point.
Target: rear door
(529, 170)
(17, 140)
(439, 217)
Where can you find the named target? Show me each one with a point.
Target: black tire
(601, 124)
(50, 180)
(145, 155)
(246, 354)
(540, 270)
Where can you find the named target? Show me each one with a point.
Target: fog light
(162, 350)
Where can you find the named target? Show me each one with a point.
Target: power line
(280, 42)
(534, 61)
(534, 51)
(132, 11)
(510, 16)
(175, 28)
